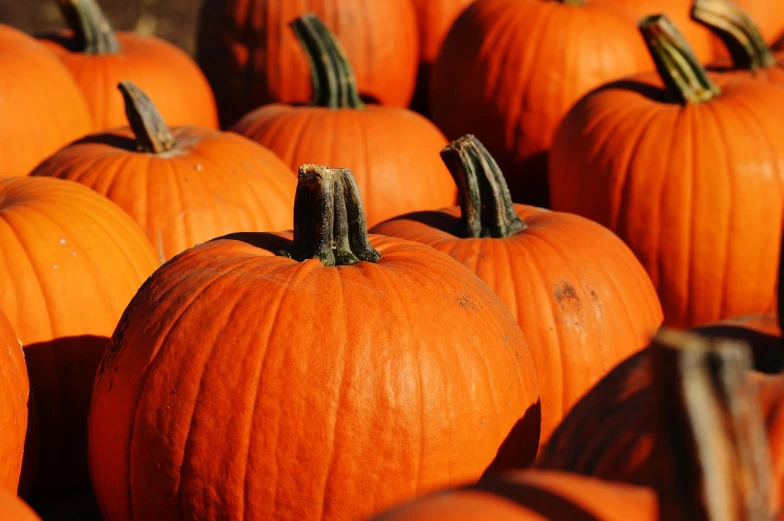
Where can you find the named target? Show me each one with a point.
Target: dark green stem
(737, 30)
(329, 221)
(334, 84)
(90, 26)
(684, 77)
(485, 202)
(152, 133)
(711, 448)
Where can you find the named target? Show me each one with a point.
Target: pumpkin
(14, 394)
(582, 299)
(182, 186)
(14, 509)
(767, 15)
(679, 11)
(99, 59)
(43, 108)
(435, 18)
(509, 70)
(251, 58)
(705, 441)
(70, 260)
(391, 151)
(347, 395)
(750, 55)
(641, 159)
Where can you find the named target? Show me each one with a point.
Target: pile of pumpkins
(395, 260)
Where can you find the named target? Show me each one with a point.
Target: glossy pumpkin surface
(14, 395)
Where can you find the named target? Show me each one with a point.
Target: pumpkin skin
(582, 299)
(14, 395)
(607, 164)
(209, 184)
(508, 72)
(161, 69)
(70, 260)
(679, 11)
(534, 496)
(337, 421)
(14, 509)
(251, 59)
(43, 108)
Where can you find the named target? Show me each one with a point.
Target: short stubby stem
(152, 133)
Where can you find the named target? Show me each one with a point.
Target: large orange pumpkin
(435, 18)
(99, 59)
(582, 299)
(361, 371)
(70, 261)
(43, 108)
(682, 174)
(183, 186)
(391, 151)
(14, 509)
(509, 70)
(14, 395)
(251, 58)
(767, 14)
(709, 432)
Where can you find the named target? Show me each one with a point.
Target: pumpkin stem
(486, 205)
(571, 2)
(737, 30)
(91, 28)
(329, 221)
(685, 79)
(333, 82)
(152, 133)
(712, 446)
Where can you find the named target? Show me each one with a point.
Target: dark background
(173, 20)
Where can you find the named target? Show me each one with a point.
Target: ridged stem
(90, 26)
(152, 133)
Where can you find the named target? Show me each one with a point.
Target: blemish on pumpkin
(565, 291)
(465, 302)
(570, 312)
(62, 241)
(198, 167)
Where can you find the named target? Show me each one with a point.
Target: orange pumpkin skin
(612, 161)
(14, 509)
(534, 496)
(345, 399)
(582, 299)
(212, 183)
(679, 11)
(43, 108)
(508, 72)
(70, 260)
(14, 394)
(165, 72)
(396, 175)
(435, 18)
(251, 58)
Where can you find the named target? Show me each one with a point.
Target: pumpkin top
(738, 32)
(329, 221)
(486, 205)
(685, 79)
(152, 133)
(333, 82)
(94, 33)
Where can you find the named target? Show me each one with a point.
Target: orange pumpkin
(435, 18)
(509, 70)
(347, 394)
(705, 441)
(642, 160)
(43, 108)
(99, 59)
(14, 509)
(767, 14)
(750, 55)
(582, 299)
(679, 12)
(391, 151)
(184, 186)
(70, 260)
(14, 394)
(252, 59)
